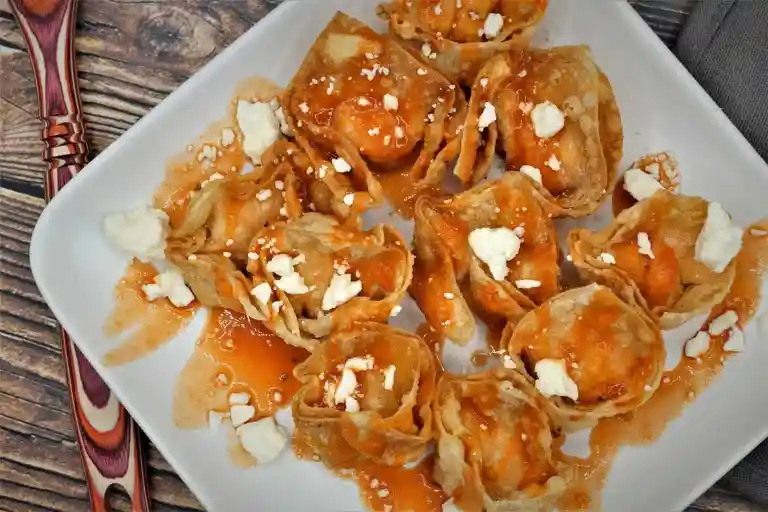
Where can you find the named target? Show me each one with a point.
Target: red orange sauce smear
(235, 353)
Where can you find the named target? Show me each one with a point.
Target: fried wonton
(592, 354)
(573, 148)
(366, 393)
(360, 101)
(225, 213)
(494, 444)
(448, 232)
(648, 255)
(313, 276)
(458, 37)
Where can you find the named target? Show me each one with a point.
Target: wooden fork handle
(110, 442)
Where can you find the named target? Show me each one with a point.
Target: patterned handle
(110, 442)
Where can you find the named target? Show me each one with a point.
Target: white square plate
(663, 108)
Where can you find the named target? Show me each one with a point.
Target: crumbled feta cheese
(644, 245)
(495, 247)
(292, 284)
(346, 386)
(552, 379)
(215, 419)
(262, 292)
(493, 24)
(259, 125)
(426, 50)
(263, 195)
(449, 506)
(390, 102)
(340, 290)
(240, 414)
(719, 240)
(525, 284)
(421, 71)
(523, 73)
(281, 264)
(640, 185)
(207, 153)
(349, 199)
(735, 341)
(553, 163)
(399, 132)
(263, 439)
(383, 493)
(351, 404)
(697, 345)
(227, 254)
(532, 172)
(607, 258)
(723, 322)
(373, 131)
(169, 284)
(140, 232)
(227, 136)
(213, 177)
(483, 82)
(341, 165)
(279, 185)
(487, 117)
(359, 364)
(239, 398)
(396, 310)
(304, 107)
(547, 119)
(448, 295)
(438, 10)
(389, 377)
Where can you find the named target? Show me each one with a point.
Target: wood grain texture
(130, 56)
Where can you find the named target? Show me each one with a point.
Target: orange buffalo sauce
(659, 165)
(400, 489)
(151, 324)
(235, 354)
(679, 386)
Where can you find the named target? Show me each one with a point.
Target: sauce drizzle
(235, 354)
(152, 323)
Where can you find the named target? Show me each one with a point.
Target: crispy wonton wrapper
(360, 96)
(445, 261)
(672, 285)
(225, 214)
(494, 444)
(458, 44)
(322, 249)
(577, 164)
(211, 243)
(612, 351)
(393, 426)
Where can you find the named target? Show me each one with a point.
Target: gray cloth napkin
(724, 44)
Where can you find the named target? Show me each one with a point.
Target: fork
(109, 440)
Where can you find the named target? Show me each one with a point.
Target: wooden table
(130, 56)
